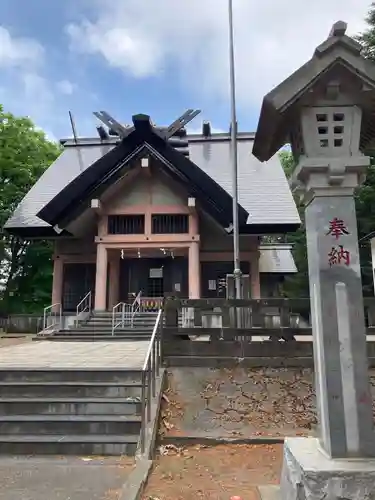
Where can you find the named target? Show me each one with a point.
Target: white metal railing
(121, 315)
(85, 305)
(136, 306)
(54, 311)
(150, 370)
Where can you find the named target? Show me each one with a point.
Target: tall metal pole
(236, 242)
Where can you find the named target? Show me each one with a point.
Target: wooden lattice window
(170, 223)
(126, 224)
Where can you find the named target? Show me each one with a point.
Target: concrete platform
(63, 478)
(64, 355)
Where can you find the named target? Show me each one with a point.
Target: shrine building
(148, 209)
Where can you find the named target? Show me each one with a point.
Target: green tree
(25, 266)
(367, 37)
(365, 208)
(296, 285)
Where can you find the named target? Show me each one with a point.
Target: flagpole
(236, 243)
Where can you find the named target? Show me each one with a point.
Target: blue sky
(159, 58)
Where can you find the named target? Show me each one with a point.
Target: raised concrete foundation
(308, 473)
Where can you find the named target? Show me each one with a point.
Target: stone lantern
(326, 111)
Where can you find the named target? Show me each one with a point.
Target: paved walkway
(45, 354)
(63, 478)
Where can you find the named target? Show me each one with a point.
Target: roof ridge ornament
(166, 132)
(338, 35)
(181, 122)
(338, 28)
(112, 124)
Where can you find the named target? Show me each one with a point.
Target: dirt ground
(6, 342)
(239, 403)
(213, 473)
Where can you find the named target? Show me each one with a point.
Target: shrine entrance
(154, 277)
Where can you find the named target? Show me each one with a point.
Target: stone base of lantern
(308, 473)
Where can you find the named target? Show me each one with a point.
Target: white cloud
(25, 89)
(19, 51)
(66, 87)
(143, 38)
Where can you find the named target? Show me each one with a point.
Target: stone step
(55, 444)
(70, 424)
(138, 319)
(78, 337)
(107, 329)
(108, 314)
(70, 389)
(69, 406)
(104, 326)
(82, 333)
(70, 375)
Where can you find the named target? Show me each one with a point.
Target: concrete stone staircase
(69, 412)
(99, 327)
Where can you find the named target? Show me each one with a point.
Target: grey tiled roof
(263, 188)
(276, 259)
(66, 168)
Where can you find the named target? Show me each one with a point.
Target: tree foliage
(25, 266)
(297, 285)
(367, 37)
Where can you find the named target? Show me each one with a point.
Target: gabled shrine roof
(265, 201)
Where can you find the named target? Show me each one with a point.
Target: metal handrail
(150, 370)
(125, 310)
(87, 303)
(52, 313)
(136, 306)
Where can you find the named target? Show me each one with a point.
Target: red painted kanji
(337, 228)
(338, 255)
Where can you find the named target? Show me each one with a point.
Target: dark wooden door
(78, 279)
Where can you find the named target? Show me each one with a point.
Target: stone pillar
(101, 278)
(255, 276)
(340, 357)
(325, 110)
(373, 261)
(57, 282)
(113, 282)
(194, 271)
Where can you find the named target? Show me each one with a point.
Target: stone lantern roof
(336, 68)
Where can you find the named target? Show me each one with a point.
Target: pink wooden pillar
(101, 278)
(113, 282)
(254, 275)
(57, 282)
(194, 271)
(193, 223)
